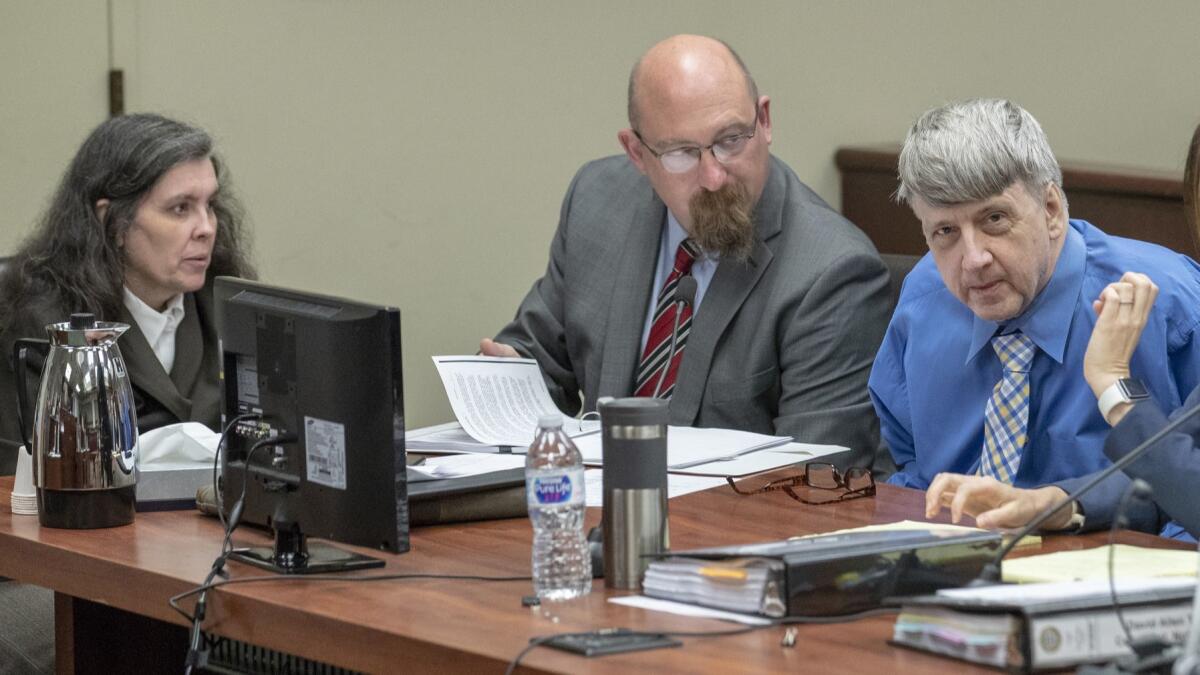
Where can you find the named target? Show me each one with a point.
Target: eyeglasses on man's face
(684, 159)
(821, 483)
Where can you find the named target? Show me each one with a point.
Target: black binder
(487, 496)
(825, 575)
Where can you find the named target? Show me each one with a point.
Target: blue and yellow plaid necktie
(1006, 419)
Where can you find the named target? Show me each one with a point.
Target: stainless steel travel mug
(634, 443)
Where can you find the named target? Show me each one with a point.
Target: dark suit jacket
(782, 343)
(1171, 467)
(190, 393)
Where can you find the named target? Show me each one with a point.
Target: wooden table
(443, 625)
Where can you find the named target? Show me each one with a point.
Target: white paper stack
(690, 446)
(24, 497)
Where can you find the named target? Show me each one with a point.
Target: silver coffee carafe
(84, 440)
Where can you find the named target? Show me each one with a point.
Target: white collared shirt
(158, 327)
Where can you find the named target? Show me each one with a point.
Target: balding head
(700, 133)
(682, 65)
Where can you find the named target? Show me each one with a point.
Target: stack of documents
(821, 575)
(747, 585)
(688, 447)
(989, 639)
(1040, 626)
(701, 452)
(497, 403)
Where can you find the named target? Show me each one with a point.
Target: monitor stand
(292, 554)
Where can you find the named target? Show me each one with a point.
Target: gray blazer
(782, 343)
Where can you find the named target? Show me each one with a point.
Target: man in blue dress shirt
(979, 383)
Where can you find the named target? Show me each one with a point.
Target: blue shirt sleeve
(889, 393)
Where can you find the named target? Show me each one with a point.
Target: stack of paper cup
(24, 497)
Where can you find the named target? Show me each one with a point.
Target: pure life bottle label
(555, 488)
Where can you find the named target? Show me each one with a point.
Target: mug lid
(634, 411)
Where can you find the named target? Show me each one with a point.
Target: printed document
(497, 400)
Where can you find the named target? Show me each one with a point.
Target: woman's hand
(1121, 310)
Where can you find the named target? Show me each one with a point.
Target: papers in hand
(498, 400)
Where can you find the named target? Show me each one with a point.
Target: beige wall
(414, 153)
(53, 90)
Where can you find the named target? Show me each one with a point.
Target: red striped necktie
(653, 365)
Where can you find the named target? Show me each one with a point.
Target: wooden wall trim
(1096, 176)
(1129, 202)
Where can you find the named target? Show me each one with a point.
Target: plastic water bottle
(562, 564)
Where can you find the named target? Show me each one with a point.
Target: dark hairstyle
(1191, 186)
(72, 260)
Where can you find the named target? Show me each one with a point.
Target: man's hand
(489, 347)
(993, 504)
(1121, 313)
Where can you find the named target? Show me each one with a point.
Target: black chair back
(899, 265)
(1191, 186)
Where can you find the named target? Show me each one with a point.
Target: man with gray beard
(790, 302)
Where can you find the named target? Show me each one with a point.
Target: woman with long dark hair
(143, 220)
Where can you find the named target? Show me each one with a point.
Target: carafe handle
(20, 364)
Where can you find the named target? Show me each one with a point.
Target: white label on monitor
(247, 380)
(325, 444)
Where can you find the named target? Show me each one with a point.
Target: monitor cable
(1148, 655)
(1140, 490)
(197, 655)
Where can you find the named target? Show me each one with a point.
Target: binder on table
(487, 496)
(1045, 626)
(824, 575)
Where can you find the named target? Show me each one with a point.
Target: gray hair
(972, 150)
(631, 100)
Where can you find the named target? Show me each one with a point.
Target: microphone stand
(991, 572)
(685, 295)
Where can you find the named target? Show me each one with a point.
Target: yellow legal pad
(1092, 563)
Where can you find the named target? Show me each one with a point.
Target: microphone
(991, 572)
(685, 295)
